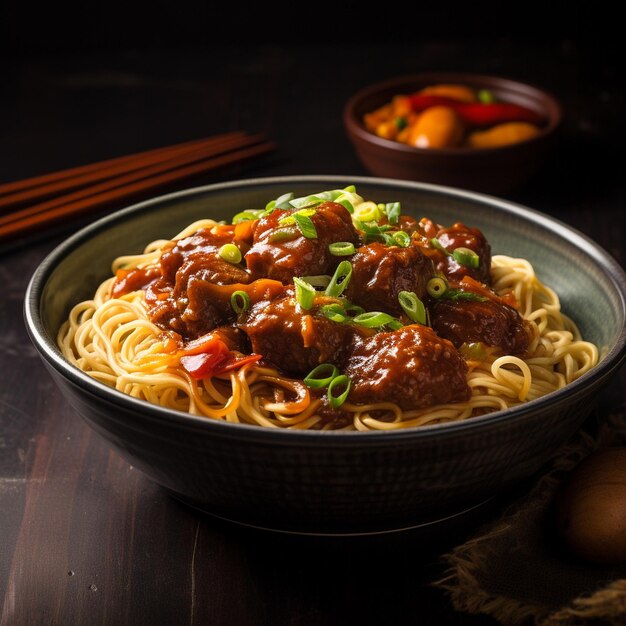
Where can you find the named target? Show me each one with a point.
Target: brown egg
(590, 507)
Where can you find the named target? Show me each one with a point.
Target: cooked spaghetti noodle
(116, 339)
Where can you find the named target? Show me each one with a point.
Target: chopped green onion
(245, 216)
(306, 225)
(300, 203)
(392, 209)
(395, 324)
(375, 319)
(334, 312)
(340, 279)
(402, 239)
(439, 246)
(466, 257)
(367, 212)
(319, 280)
(373, 232)
(349, 198)
(336, 384)
(291, 218)
(352, 310)
(341, 248)
(240, 301)
(230, 252)
(458, 295)
(412, 306)
(283, 202)
(347, 204)
(335, 195)
(321, 376)
(437, 286)
(485, 96)
(283, 234)
(305, 293)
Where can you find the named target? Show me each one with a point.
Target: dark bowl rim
(52, 356)
(355, 127)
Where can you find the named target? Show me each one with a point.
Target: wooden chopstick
(197, 154)
(34, 217)
(100, 166)
(53, 184)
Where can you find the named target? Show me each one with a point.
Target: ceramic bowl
(492, 170)
(335, 482)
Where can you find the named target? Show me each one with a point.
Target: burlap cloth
(516, 571)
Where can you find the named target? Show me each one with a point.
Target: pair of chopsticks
(32, 204)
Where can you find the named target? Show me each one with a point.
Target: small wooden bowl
(490, 170)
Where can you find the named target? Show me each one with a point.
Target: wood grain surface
(87, 539)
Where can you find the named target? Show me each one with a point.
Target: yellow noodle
(114, 341)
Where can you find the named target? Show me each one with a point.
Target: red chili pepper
(478, 114)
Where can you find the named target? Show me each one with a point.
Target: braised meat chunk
(292, 339)
(412, 367)
(380, 273)
(281, 251)
(183, 299)
(493, 323)
(460, 236)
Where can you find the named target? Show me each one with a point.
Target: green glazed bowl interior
(590, 284)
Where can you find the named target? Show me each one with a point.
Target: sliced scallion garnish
(412, 306)
(352, 310)
(341, 248)
(230, 252)
(291, 218)
(437, 286)
(466, 257)
(340, 279)
(305, 293)
(375, 319)
(402, 239)
(288, 233)
(347, 204)
(334, 312)
(283, 202)
(240, 301)
(439, 246)
(367, 212)
(392, 209)
(319, 280)
(321, 376)
(245, 216)
(306, 225)
(336, 385)
(458, 295)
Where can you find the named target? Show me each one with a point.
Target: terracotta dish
(492, 170)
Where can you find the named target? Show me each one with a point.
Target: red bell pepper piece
(208, 356)
(478, 113)
(207, 365)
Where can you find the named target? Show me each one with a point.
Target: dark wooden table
(85, 538)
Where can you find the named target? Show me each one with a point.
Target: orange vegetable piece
(401, 106)
(457, 92)
(502, 135)
(437, 127)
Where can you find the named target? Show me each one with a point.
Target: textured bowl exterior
(492, 170)
(335, 482)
